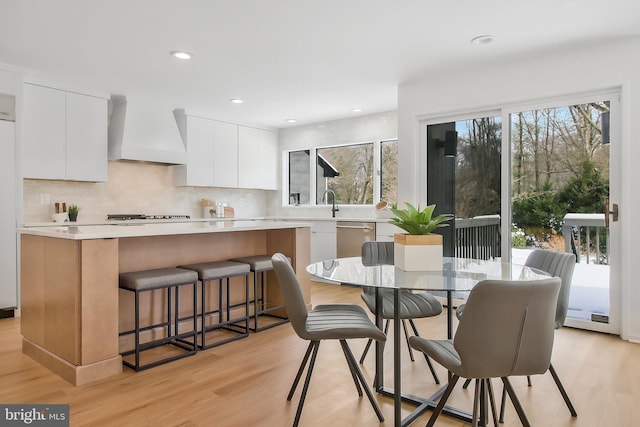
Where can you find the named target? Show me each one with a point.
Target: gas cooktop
(128, 217)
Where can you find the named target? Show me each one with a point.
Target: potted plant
(418, 249)
(73, 212)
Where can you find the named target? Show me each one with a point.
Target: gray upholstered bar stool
(259, 265)
(171, 279)
(221, 270)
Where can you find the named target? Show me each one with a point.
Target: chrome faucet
(325, 197)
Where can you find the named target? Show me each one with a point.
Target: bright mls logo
(34, 415)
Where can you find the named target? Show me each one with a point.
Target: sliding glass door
(561, 164)
(464, 178)
(535, 177)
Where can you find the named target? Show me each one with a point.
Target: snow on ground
(589, 287)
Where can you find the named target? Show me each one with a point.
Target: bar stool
(259, 265)
(170, 279)
(221, 270)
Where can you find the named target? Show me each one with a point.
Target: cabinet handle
(356, 227)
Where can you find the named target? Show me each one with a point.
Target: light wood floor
(245, 383)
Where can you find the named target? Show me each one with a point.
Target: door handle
(613, 212)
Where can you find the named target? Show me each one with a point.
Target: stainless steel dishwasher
(350, 236)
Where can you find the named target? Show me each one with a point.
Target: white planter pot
(418, 253)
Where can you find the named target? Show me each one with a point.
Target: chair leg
(305, 387)
(503, 402)
(366, 348)
(565, 396)
(466, 383)
(476, 400)
(433, 371)
(443, 400)
(353, 372)
(406, 337)
(300, 370)
(492, 400)
(516, 402)
(352, 362)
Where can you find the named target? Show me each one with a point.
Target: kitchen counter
(72, 309)
(140, 228)
(195, 220)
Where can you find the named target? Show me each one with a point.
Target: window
(299, 178)
(359, 174)
(389, 170)
(348, 171)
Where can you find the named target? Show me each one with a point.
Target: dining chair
(507, 329)
(325, 322)
(413, 305)
(557, 264)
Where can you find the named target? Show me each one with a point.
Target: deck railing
(583, 234)
(478, 237)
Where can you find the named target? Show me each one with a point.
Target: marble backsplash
(135, 188)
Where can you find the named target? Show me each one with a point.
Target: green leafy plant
(73, 209)
(415, 221)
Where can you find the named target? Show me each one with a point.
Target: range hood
(143, 131)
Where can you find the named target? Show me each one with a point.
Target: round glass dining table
(457, 277)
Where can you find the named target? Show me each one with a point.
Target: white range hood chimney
(143, 131)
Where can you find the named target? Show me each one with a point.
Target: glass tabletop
(457, 274)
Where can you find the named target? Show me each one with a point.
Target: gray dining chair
(557, 264)
(507, 329)
(413, 305)
(325, 322)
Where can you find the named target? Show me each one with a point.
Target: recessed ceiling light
(290, 120)
(486, 39)
(181, 54)
(236, 101)
(357, 110)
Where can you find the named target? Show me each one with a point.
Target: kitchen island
(72, 310)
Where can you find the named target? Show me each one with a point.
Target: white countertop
(194, 220)
(141, 229)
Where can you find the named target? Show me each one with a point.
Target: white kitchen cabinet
(258, 158)
(8, 244)
(64, 135)
(221, 154)
(323, 240)
(249, 166)
(268, 153)
(385, 231)
(212, 153)
(44, 132)
(86, 149)
(225, 154)
(198, 135)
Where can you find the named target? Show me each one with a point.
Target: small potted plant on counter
(73, 213)
(418, 249)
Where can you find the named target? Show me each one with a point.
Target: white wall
(565, 71)
(371, 127)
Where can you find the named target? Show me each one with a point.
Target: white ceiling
(313, 60)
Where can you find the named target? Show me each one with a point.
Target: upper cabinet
(221, 154)
(225, 154)
(64, 134)
(258, 155)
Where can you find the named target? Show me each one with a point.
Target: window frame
(313, 152)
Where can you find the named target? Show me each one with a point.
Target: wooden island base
(72, 309)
